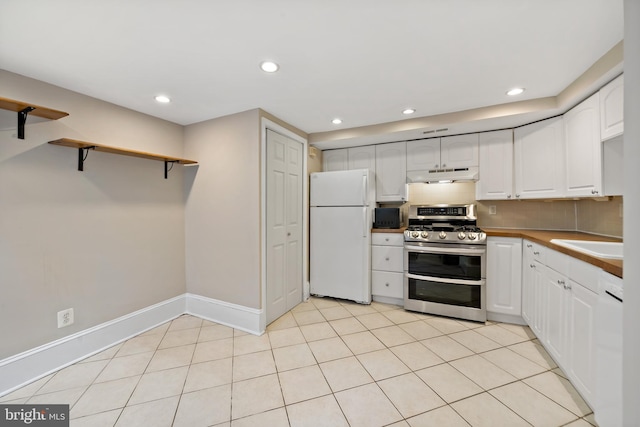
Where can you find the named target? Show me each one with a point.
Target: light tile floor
(325, 363)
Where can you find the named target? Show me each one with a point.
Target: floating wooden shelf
(83, 148)
(24, 109)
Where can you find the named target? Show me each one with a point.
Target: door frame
(273, 126)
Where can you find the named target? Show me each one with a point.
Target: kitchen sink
(612, 250)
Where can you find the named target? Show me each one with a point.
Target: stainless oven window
(445, 293)
(448, 266)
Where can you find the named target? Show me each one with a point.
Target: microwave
(386, 218)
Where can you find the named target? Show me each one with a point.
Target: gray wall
(107, 241)
(223, 209)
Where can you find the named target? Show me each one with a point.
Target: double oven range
(445, 262)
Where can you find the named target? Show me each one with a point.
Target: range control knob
(461, 235)
(424, 234)
(415, 234)
(442, 235)
(472, 236)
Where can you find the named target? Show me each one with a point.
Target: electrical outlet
(65, 318)
(492, 210)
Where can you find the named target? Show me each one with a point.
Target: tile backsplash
(598, 216)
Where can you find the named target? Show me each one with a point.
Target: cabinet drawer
(584, 273)
(535, 251)
(557, 261)
(387, 258)
(387, 239)
(387, 284)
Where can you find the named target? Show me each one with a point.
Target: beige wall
(107, 241)
(598, 216)
(223, 209)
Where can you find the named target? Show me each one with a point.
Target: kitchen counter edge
(388, 230)
(544, 237)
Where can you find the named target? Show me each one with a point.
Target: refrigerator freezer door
(341, 188)
(340, 253)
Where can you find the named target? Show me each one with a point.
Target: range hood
(468, 174)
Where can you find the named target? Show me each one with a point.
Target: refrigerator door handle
(364, 222)
(365, 202)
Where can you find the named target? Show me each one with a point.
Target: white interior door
(284, 177)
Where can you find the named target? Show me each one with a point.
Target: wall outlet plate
(65, 318)
(492, 210)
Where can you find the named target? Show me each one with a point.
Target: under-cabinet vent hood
(438, 175)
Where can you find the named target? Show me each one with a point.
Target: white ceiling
(361, 60)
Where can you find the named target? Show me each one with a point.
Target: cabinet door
(539, 159)
(612, 109)
(460, 151)
(363, 158)
(495, 155)
(335, 160)
(580, 339)
(423, 154)
(387, 284)
(504, 268)
(583, 149)
(391, 172)
(556, 303)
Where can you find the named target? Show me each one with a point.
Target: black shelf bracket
(167, 168)
(22, 119)
(82, 156)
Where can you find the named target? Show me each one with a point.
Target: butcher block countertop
(543, 237)
(388, 230)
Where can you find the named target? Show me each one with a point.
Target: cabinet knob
(594, 191)
(386, 284)
(529, 245)
(444, 165)
(508, 196)
(386, 239)
(532, 265)
(435, 166)
(289, 234)
(517, 196)
(536, 253)
(386, 259)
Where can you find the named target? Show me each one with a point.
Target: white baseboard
(506, 318)
(26, 367)
(237, 316)
(388, 300)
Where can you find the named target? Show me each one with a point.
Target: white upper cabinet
(362, 158)
(496, 166)
(460, 151)
(335, 160)
(539, 160)
(583, 149)
(391, 172)
(449, 152)
(423, 154)
(611, 109)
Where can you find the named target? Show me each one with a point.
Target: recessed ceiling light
(336, 121)
(163, 99)
(408, 111)
(515, 91)
(269, 67)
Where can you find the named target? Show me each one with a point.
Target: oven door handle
(443, 280)
(436, 249)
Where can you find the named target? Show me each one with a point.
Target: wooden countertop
(543, 237)
(388, 230)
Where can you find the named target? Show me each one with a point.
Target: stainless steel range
(444, 262)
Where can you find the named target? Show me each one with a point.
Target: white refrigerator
(340, 242)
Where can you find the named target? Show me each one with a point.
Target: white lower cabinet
(387, 268)
(561, 311)
(504, 279)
